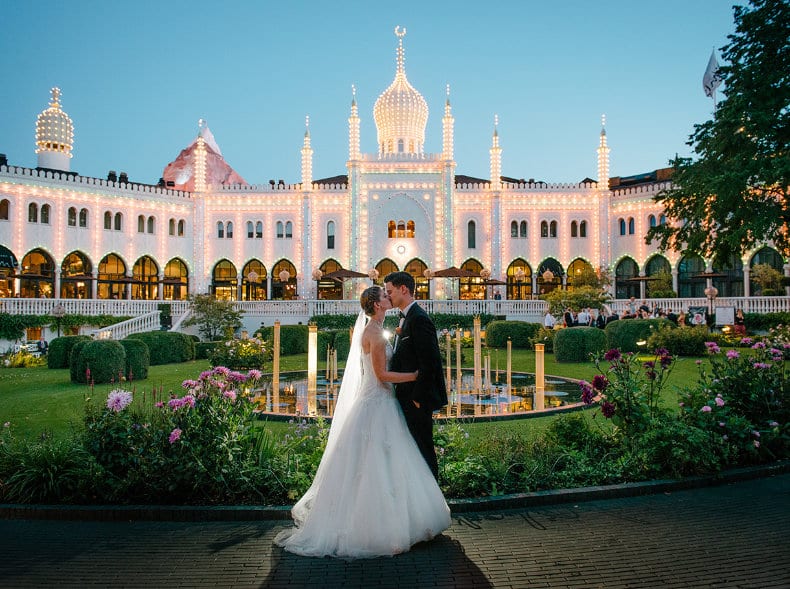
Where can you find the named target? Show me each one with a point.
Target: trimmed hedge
(105, 358)
(680, 341)
(624, 333)
(575, 344)
(765, 321)
(60, 349)
(138, 359)
(293, 338)
(519, 332)
(167, 347)
(204, 350)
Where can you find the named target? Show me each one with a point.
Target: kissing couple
(375, 492)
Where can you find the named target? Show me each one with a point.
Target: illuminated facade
(204, 229)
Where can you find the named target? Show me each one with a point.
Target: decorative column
(276, 368)
(312, 368)
(540, 378)
(477, 354)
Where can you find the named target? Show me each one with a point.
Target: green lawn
(35, 400)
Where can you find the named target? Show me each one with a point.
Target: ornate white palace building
(203, 229)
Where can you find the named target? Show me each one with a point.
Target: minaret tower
(447, 129)
(353, 127)
(200, 159)
(603, 158)
(54, 136)
(307, 158)
(496, 158)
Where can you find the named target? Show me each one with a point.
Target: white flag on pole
(712, 79)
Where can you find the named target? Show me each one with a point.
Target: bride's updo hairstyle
(370, 296)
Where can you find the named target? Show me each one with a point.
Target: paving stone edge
(194, 513)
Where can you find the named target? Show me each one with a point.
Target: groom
(417, 348)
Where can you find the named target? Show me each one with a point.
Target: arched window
(574, 229)
(544, 229)
(171, 227)
(151, 224)
(621, 222)
(118, 221)
(470, 235)
(140, 224)
(4, 205)
(330, 235)
(83, 217)
(289, 230)
(229, 230)
(410, 229)
(553, 229)
(513, 229)
(32, 213)
(279, 229)
(107, 220)
(662, 220)
(259, 230)
(220, 229)
(181, 225)
(45, 214)
(400, 145)
(401, 229)
(631, 226)
(250, 230)
(391, 228)
(583, 229)
(72, 217)
(651, 220)
(523, 229)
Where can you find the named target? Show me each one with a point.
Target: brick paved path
(736, 535)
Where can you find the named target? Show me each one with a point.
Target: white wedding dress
(373, 494)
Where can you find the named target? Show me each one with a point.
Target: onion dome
(54, 135)
(401, 113)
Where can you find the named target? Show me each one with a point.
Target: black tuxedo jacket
(417, 348)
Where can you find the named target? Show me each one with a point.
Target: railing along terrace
(21, 306)
(147, 322)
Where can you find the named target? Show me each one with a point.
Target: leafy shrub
(575, 344)
(138, 359)
(240, 354)
(23, 359)
(765, 321)
(106, 360)
(60, 349)
(203, 350)
(680, 341)
(452, 320)
(167, 347)
(624, 334)
(332, 322)
(519, 332)
(544, 336)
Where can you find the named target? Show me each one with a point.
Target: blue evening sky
(137, 75)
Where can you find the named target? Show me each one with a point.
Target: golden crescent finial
(400, 32)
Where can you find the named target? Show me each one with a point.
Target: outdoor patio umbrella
(453, 272)
(342, 274)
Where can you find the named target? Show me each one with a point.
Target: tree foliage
(734, 194)
(215, 319)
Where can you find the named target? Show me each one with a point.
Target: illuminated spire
(54, 136)
(200, 158)
(496, 158)
(447, 129)
(603, 158)
(353, 127)
(307, 157)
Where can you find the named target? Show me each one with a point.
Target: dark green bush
(624, 334)
(60, 348)
(765, 321)
(167, 347)
(106, 360)
(293, 338)
(329, 322)
(681, 341)
(203, 350)
(519, 332)
(138, 359)
(575, 344)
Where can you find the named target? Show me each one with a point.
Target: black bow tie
(401, 315)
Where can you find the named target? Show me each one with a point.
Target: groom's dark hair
(399, 279)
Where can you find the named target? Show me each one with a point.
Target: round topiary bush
(60, 349)
(106, 360)
(575, 344)
(624, 334)
(519, 332)
(293, 338)
(138, 359)
(167, 347)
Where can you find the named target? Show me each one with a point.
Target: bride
(373, 493)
